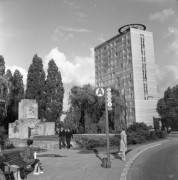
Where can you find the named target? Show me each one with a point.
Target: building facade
(126, 62)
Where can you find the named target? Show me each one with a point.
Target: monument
(28, 125)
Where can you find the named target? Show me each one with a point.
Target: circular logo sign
(100, 92)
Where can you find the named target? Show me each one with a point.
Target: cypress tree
(17, 92)
(54, 92)
(36, 84)
(10, 102)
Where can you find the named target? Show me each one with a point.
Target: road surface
(158, 163)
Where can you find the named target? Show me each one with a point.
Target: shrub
(95, 141)
(3, 138)
(136, 137)
(153, 135)
(160, 134)
(138, 127)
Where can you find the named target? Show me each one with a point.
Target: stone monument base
(28, 128)
(42, 142)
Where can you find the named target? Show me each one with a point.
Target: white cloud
(80, 71)
(163, 15)
(71, 4)
(101, 38)
(80, 14)
(59, 34)
(22, 71)
(174, 44)
(72, 29)
(166, 76)
(67, 33)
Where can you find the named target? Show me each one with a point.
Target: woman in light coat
(123, 143)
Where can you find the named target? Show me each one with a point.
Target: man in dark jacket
(69, 135)
(62, 136)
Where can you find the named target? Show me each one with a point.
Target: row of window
(119, 51)
(124, 40)
(144, 70)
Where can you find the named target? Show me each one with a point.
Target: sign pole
(107, 131)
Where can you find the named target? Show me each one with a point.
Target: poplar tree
(36, 84)
(9, 78)
(17, 92)
(54, 92)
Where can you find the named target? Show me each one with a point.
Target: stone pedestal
(24, 129)
(28, 125)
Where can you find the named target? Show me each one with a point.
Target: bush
(3, 138)
(95, 141)
(153, 135)
(137, 133)
(160, 134)
(138, 127)
(136, 137)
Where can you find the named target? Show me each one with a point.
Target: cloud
(71, 4)
(59, 34)
(173, 46)
(163, 15)
(79, 71)
(67, 33)
(22, 71)
(166, 76)
(80, 14)
(101, 38)
(72, 29)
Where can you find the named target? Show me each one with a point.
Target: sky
(69, 30)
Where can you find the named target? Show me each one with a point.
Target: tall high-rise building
(126, 62)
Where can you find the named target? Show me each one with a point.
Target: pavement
(71, 164)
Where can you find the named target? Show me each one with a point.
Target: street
(159, 163)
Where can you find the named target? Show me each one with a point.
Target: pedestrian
(62, 136)
(28, 157)
(123, 143)
(69, 135)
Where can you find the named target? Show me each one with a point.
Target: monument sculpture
(28, 125)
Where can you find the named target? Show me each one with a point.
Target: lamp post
(108, 104)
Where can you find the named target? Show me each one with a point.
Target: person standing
(69, 135)
(62, 136)
(123, 143)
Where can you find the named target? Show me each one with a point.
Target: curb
(131, 160)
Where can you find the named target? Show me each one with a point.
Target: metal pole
(125, 109)
(107, 131)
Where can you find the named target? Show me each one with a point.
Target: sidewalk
(73, 165)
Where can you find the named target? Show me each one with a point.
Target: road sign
(109, 97)
(100, 92)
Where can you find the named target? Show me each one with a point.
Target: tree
(17, 92)
(36, 84)
(54, 92)
(90, 110)
(9, 118)
(80, 99)
(167, 108)
(3, 90)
